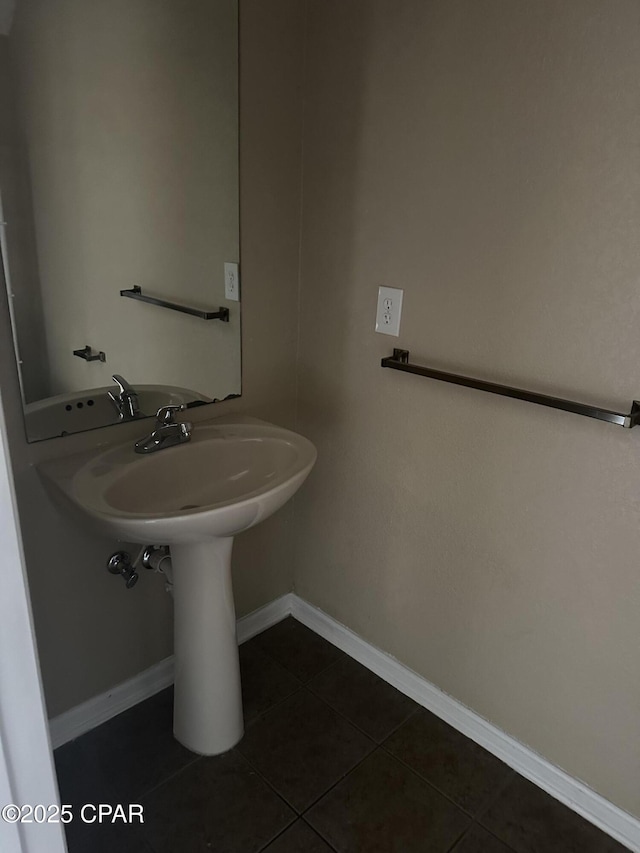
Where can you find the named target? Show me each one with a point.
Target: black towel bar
(400, 361)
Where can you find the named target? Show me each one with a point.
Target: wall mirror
(119, 204)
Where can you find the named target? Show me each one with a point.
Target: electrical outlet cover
(231, 282)
(389, 311)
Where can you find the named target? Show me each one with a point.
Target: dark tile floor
(333, 759)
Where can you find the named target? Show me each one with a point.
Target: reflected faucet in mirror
(126, 400)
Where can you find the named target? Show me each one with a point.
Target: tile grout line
(320, 796)
(432, 785)
(281, 832)
(320, 835)
(377, 746)
(114, 795)
(305, 686)
(381, 746)
(493, 835)
(270, 785)
(337, 782)
(271, 657)
(509, 781)
(171, 776)
(355, 725)
(493, 800)
(475, 821)
(287, 828)
(252, 769)
(333, 784)
(152, 849)
(266, 713)
(460, 837)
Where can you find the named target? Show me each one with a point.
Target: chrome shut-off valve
(120, 564)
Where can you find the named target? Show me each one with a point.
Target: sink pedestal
(207, 716)
(194, 497)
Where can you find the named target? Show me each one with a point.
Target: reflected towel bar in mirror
(400, 361)
(136, 293)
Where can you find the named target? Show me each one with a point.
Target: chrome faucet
(166, 433)
(126, 400)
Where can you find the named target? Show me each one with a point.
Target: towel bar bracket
(634, 416)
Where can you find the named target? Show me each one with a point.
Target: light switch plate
(389, 311)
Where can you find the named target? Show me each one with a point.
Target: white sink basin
(194, 497)
(226, 479)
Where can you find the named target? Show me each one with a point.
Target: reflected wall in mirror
(119, 170)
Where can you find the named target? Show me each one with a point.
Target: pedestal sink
(194, 497)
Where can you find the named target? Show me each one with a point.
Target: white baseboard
(264, 617)
(576, 795)
(86, 716)
(81, 719)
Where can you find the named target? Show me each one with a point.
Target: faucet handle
(165, 414)
(121, 382)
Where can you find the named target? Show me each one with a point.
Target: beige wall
(92, 633)
(482, 155)
(130, 113)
